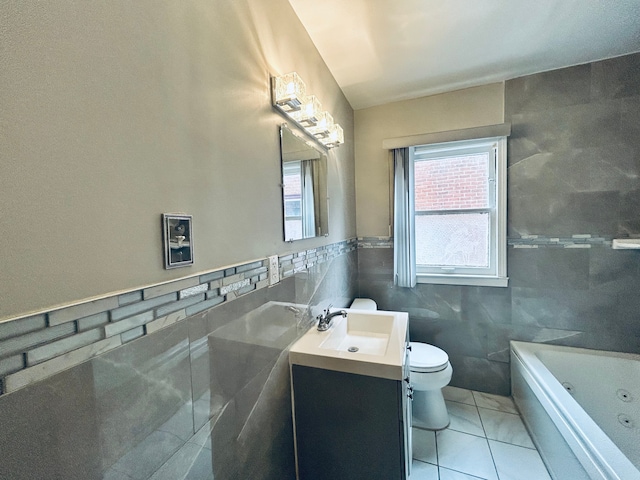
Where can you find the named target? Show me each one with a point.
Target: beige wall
(467, 108)
(115, 112)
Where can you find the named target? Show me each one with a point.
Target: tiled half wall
(36, 347)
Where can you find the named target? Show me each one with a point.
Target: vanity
(352, 398)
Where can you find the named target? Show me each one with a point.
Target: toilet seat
(425, 358)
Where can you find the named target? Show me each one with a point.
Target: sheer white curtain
(404, 249)
(308, 206)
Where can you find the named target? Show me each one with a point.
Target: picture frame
(178, 240)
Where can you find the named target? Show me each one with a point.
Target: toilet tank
(364, 304)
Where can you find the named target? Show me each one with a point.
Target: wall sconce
(310, 112)
(289, 95)
(335, 137)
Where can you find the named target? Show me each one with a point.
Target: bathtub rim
(578, 429)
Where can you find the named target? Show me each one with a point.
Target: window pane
(293, 229)
(453, 182)
(292, 181)
(455, 240)
(292, 207)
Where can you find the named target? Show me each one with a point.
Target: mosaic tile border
(581, 240)
(35, 347)
(375, 242)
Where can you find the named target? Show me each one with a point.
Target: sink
(360, 332)
(364, 342)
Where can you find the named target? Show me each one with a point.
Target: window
(299, 203)
(292, 200)
(459, 195)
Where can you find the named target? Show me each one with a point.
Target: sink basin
(360, 332)
(364, 342)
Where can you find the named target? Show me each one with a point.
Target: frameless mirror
(304, 187)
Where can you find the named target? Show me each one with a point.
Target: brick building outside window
(460, 212)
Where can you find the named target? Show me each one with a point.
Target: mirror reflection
(304, 187)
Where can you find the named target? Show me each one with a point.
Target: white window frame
(497, 274)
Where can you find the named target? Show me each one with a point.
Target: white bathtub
(582, 408)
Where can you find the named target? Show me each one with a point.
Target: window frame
(291, 169)
(496, 275)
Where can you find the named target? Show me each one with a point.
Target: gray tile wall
(574, 185)
(161, 385)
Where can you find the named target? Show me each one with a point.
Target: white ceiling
(381, 51)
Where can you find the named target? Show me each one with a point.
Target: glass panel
(453, 240)
(452, 183)
(304, 189)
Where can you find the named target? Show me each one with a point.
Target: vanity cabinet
(350, 426)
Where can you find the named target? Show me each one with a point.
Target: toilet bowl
(430, 373)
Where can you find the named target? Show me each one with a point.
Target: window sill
(472, 281)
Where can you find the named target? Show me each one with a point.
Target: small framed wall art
(178, 240)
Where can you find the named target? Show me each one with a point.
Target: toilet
(430, 372)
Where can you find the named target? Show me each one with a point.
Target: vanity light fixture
(290, 98)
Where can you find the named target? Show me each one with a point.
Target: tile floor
(486, 440)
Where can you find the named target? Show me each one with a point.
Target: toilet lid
(427, 358)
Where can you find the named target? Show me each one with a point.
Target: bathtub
(582, 408)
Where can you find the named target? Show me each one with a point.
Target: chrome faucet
(324, 321)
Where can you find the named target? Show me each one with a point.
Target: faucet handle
(329, 308)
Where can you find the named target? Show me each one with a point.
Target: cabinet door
(407, 404)
(347, 426)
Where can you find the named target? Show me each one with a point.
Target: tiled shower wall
(573, 186)
(201, 392)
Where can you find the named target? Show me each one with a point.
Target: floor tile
(465, 453)
(446, 474)
(518, 463)
(461, 452)
(424, 445)
(505, 427)
(460, 395)
(423, 471)
(464, 418)
(494, 402)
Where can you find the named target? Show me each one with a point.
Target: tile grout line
(493, 460)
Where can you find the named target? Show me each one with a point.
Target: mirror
(304, 187)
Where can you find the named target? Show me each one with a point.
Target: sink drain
(353, 349)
